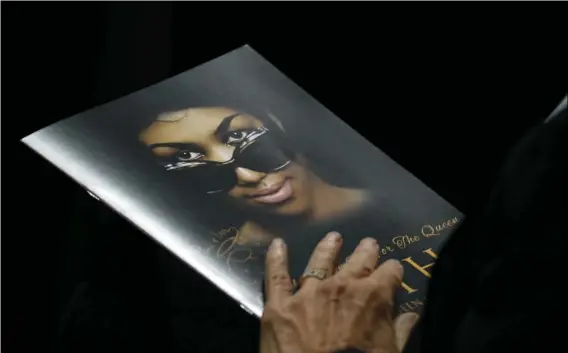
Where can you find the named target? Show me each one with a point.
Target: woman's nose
(247, 176)
(220, 154)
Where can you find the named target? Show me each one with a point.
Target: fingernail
(333, 237)
(277, 244)
(368, 243)
(397, 266)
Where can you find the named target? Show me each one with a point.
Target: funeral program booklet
(216, 162)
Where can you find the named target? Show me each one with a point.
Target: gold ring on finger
(318, 273)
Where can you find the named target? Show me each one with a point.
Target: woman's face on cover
(212, 134)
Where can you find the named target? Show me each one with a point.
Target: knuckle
(280, 279)
(366, 270)
(335, 286)
(332, 282)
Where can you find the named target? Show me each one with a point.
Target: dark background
(445, 95)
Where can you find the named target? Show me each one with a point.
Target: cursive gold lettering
(429, 230)
(226, 250)
(403, 241)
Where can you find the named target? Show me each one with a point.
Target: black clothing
(497, 286)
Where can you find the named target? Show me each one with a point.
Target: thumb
(403, 326)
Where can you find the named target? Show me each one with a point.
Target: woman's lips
(274, 194)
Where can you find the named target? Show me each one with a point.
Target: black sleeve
(497, 285)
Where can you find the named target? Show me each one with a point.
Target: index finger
(278, 283)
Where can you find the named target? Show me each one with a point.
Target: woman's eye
(236, 137)
(186, 156)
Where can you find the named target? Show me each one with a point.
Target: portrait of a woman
(232, 174)
(247, 162)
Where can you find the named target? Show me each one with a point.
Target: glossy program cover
(216, 162)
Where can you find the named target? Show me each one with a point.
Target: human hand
(352, 308)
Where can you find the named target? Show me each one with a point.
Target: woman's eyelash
(231, 138)
(237, 136)
(186, 156)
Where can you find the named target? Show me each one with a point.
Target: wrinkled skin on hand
(352, 308)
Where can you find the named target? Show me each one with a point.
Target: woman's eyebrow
(223, 128)
(177, 145)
